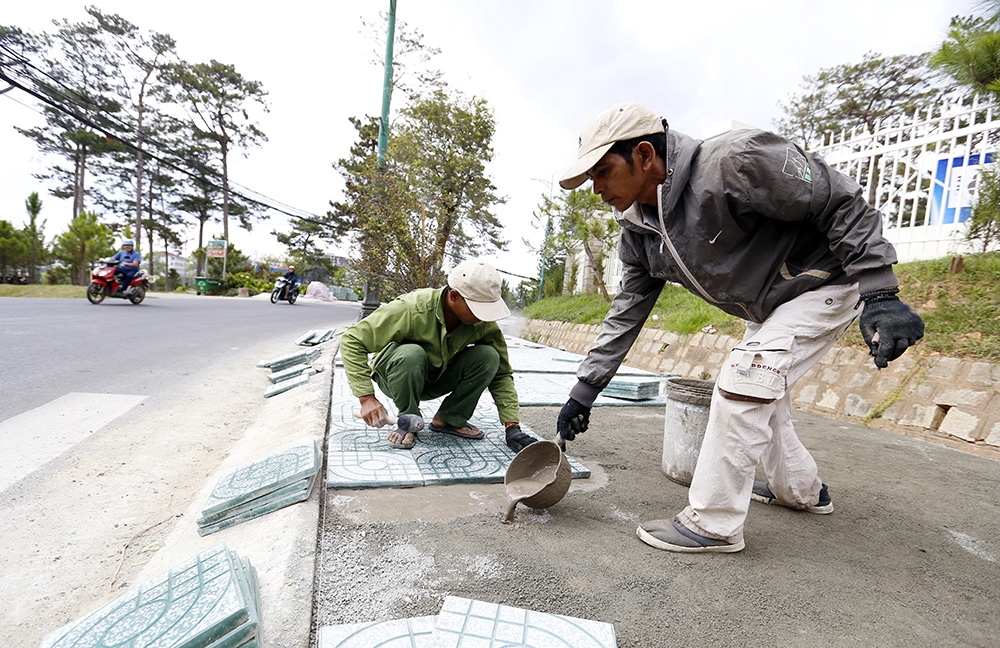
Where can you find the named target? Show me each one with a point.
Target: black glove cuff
(883, 294)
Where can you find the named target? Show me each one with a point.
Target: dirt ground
(910, 556)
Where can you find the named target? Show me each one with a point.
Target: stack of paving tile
(264, 486)
(312, 338)
(632, 388)
(209, 601)
(465, 623)
(286, 361)
(289, 371)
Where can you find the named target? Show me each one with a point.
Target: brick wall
(945, 400)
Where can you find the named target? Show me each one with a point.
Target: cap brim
(577, 175)
(488, 311)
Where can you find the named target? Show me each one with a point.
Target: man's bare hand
(372, 411)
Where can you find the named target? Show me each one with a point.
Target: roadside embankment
(949, 401)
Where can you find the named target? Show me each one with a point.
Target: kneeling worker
(436, 342)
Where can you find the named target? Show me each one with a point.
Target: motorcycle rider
(290, 280)
(129, 265)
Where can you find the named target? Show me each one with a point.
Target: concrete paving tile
(368, 469)
(269, 506)
(193, 605)
(397, 633)
(296, 488)
(465, 623)
(267, 475)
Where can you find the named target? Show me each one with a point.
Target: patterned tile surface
(529, 357)
(464, 623)
(201, 601)
(281, 469)
(537, 389)
(398, 633)
(360, 457)
(256, 508)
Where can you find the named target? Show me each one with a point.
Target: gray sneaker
(671, 535)
(762, 493)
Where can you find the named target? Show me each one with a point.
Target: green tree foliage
(219, 100)
(77, 70)
(13, 248)
(84, 242)
(581, 221)
(305, 247)
(446, 142)
(971, 55)
(376, 212)
(34, 234)
(141, 57)
(857, 95)
(984, 224)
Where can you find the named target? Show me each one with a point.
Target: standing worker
(765, 231)
(436, 342)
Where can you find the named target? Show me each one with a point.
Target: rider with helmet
(290, 280)
(128, 265)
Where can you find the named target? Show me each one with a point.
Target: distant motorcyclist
(291, 279)
(128, 264)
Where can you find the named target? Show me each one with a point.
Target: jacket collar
(681, 149)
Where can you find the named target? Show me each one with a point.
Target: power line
(108, 133)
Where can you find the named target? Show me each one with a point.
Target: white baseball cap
(479, 283)
(620, 122)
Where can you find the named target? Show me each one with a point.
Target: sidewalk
(909, 557)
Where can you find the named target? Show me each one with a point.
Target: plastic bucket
(684, 426)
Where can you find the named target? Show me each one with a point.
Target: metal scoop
(538, 476)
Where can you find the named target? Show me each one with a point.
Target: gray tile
(366, 469)
(465, 623)
(398, 633)
(269, 506)
(304, 485)
(193, 605)
(285, 385)
(292, 465)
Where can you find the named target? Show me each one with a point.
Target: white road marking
(974, 546)
(30, 440)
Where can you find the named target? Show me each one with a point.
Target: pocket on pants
(758, 366)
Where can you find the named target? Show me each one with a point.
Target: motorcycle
(106, 283)
(279, 291)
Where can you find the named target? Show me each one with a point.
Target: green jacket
(418, 318)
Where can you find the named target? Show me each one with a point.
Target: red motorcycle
(105, 283)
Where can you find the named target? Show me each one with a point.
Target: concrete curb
(280, 545)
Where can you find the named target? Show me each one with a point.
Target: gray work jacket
(746, 221)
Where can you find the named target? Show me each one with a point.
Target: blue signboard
(955, 188)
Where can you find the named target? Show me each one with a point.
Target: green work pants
(401, 374)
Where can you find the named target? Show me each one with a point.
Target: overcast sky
(545, 67)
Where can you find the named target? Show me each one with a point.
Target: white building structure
(920, 171)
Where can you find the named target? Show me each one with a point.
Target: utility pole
(371, 300)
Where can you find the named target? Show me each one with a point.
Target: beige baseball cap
(479, 283)
(622, 121)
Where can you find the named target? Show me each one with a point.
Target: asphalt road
(51, 347)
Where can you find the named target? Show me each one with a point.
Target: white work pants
(766, 364)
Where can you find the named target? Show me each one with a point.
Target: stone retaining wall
(946, 400)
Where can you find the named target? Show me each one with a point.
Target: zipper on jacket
(680, 264)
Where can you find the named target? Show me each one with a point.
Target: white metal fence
(920, 171)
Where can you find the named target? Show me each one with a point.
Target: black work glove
(895, 323)
(573, 419)
(517, 439)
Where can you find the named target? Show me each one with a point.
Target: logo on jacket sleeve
(796, 165)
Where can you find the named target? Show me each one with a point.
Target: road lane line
(30, 440)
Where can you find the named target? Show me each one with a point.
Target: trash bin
(205, 286)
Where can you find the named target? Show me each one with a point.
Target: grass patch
(36, 290)
(961, 311)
